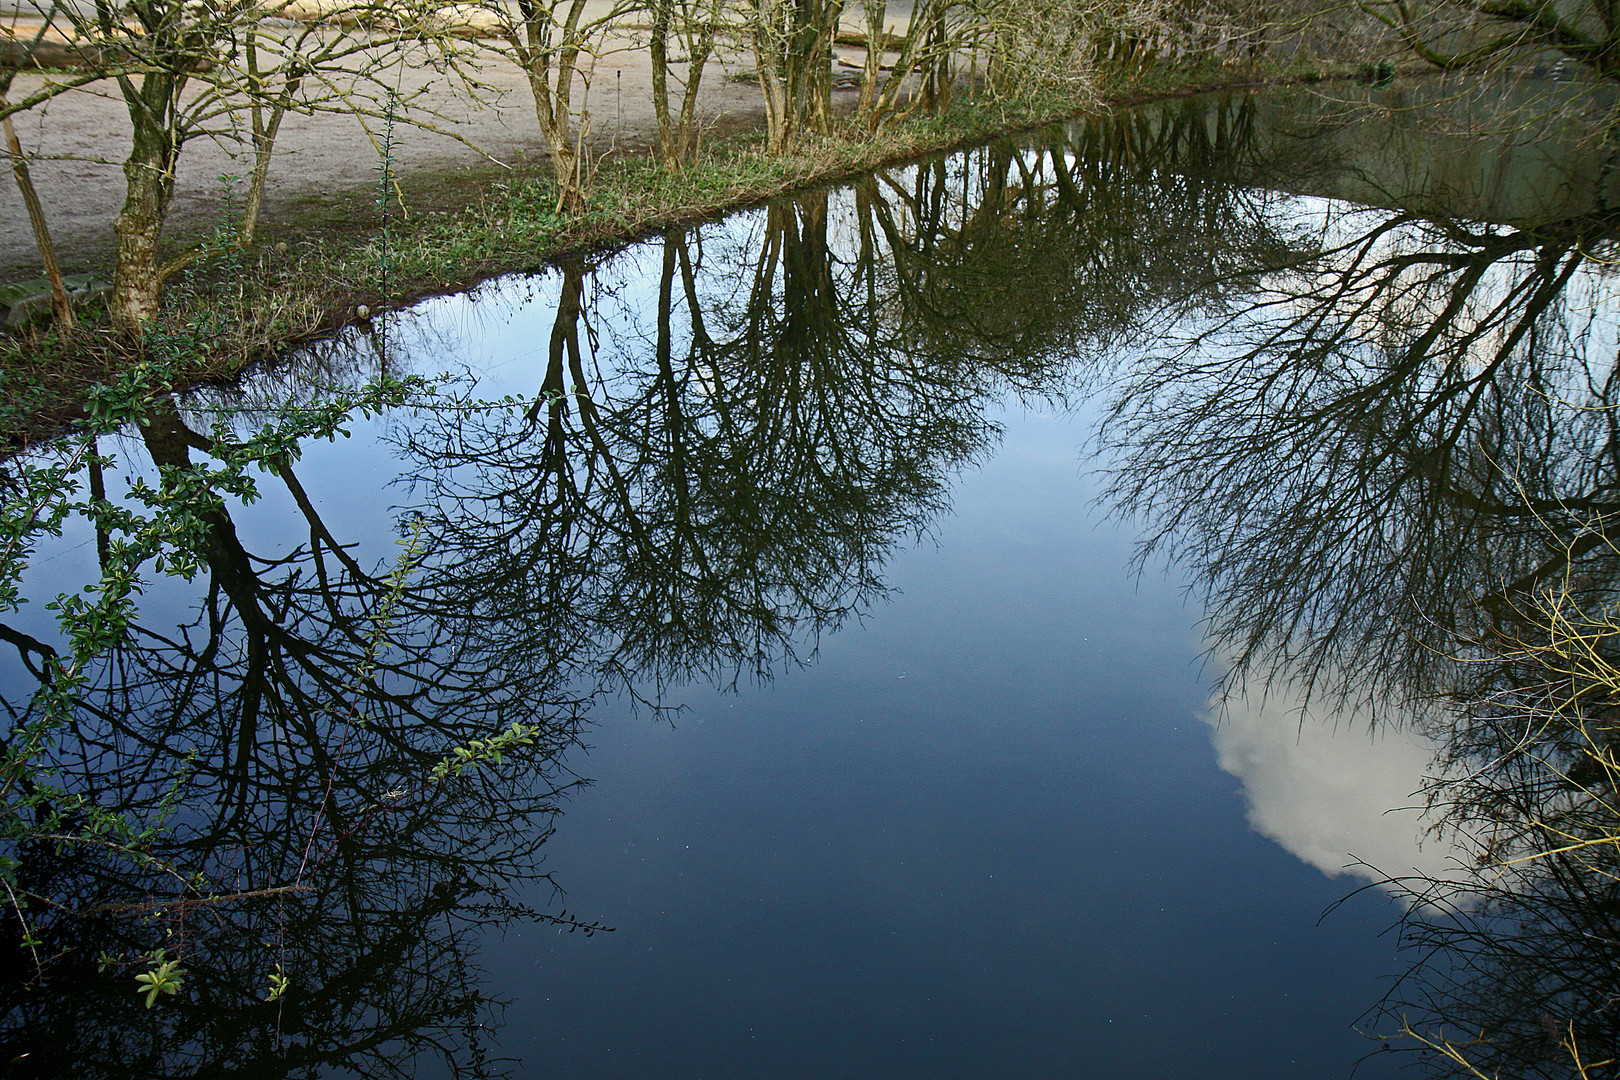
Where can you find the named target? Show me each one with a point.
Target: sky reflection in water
(984, 835)
(985, 828)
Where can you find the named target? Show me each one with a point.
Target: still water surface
(891, 560)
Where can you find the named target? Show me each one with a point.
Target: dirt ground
(326, 166)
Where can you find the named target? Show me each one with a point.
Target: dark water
(927, 575)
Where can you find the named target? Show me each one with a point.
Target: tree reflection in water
(1391, 463)
(302, 733)
(1379, 436)
(697, 490)
(704, 487)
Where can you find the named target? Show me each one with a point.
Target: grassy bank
(237, 307)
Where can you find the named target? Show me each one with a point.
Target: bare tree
(30, 194)
(693, 25)
(792, 42)
(557, 43)
(185, 71)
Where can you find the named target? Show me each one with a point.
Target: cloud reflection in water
(1338, 793)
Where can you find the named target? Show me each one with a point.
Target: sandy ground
(326, 165)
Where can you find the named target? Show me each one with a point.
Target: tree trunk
(36, 218)
(532, 41)
(148, 184)
(769, 47)
(698, 48)
(677, 136)
(658, 47)
(264, 134)
(264, 145)
(876, 11)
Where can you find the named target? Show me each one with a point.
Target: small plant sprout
(166, 978)
(480, 750)
(279, 985)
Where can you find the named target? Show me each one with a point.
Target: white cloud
(1332, 791)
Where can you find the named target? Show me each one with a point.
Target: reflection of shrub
(1456, 1057)
(1520, 952)
(1540, 737)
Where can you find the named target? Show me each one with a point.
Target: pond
(994, 618)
